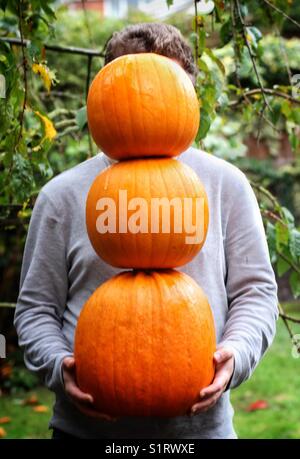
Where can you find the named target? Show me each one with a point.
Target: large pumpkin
(144, 344)
(150, 213)
(142, 105)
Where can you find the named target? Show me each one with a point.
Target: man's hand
(84, 402)
(209, 396)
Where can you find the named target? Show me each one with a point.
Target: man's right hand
(84, 402)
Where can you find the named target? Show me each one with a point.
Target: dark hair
(152, 37)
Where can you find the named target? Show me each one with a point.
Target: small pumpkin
(147, 213)
(144, 344)
(142, 105)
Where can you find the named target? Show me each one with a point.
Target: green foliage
(14, 377)
(22, 170)
(21, 379)
(245, 84)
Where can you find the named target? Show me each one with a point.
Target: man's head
(153, 37)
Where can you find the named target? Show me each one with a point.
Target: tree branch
(282, 12)
(270, 92)
(57, 48)
(270, 214)
(269, 195)
(196, 32)
(24, 64)
(7, 305)
(252, 56)
(290, 318)
(285, 321)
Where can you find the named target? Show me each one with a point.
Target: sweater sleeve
(250, 283)
(43, 294)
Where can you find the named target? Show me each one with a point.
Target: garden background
(248, 54)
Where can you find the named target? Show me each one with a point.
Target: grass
(25, 422)
(276, 380)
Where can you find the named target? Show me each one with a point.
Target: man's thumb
(69, 363)
(222, 355)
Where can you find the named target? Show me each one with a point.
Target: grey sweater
(61, 270)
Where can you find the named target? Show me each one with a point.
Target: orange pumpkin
(147, 213)
(142, 105)
(144, 344)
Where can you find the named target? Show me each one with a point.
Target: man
(60, 271)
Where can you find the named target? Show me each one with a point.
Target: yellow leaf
(2, 432)
(41, 409)
(50, 131)
(45, 74)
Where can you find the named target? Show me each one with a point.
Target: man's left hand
(224, 361)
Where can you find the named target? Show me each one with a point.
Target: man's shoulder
(208, 167)
(77, 177)
(212, 169)
(200, 160)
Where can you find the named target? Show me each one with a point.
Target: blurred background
(248, 54)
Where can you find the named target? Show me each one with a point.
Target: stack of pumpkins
(145, 339)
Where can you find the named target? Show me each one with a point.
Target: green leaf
(244, 10)
(294, 281)
(169, 3)
(288, 216)
(296, 115)
(255, 32)
(208, 97)
(294, 243)
(203, 66)
(282, 266)
(286, 108)
(215, 59)
(205, 122)
(202, 37)
(34, 49)
(294, 140)
(81, 118)
(282, 235)
(226, 32)
(45, 6)
(271, 238)
(223, 100)
(275, 113)
(193, 37)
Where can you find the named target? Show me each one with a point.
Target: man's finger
(222, 355)
(206, 404)
(94, 413)
(218, 385)
(74, 392)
